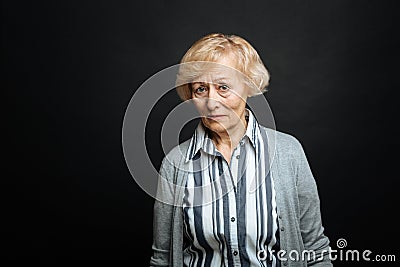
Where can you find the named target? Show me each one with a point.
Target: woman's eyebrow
(198, 82)
(218, 80)
(222, 79)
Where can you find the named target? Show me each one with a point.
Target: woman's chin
(215, 126)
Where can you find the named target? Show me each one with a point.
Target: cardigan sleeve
(311, 228)
(162, 218)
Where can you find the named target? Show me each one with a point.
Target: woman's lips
(215, 117)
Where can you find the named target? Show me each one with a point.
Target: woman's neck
(230, 138)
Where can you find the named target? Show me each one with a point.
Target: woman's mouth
(215, 117)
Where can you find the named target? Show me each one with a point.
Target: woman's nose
(212, 100)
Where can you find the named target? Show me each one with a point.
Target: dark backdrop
(71, 67)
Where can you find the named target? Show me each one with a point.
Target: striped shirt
(230, 215)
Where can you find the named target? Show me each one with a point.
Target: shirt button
(242, 143)
(261, 254)
(282, 229)
(280, 216)
(238, 156)
(232, 219)
(285, 263)
(235, 253)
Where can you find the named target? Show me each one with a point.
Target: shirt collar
(201, 139)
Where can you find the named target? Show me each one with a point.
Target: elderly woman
(228, 196)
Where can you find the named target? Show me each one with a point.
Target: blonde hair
(209, 49)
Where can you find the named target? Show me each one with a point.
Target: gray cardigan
(297, 200)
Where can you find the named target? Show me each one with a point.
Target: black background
(71, 67)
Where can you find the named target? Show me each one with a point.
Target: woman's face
(220, 96)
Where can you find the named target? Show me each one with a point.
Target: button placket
(234, 242)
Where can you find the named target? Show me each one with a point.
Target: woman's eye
(200, 89)
(224, 87)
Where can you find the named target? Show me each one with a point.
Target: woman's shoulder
(282, 141)
(177, 154)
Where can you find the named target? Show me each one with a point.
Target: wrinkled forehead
(217, 73)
